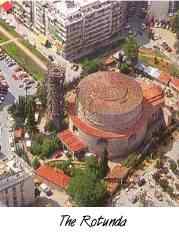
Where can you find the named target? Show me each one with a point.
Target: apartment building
(16, 184)
(41, 16)
(81, 27)
(24, 12)
(162, 9)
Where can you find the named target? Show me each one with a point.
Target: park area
(22, 52)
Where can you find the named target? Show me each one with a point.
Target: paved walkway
(9, 41)
(23, 48)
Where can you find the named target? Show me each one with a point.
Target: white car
(10, 119)
(13, 149)
(2, 98)
(10, 129)
(44, 188)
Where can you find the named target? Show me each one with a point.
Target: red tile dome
(109, 92)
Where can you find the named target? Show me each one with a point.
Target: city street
(71, 74)
(13, 94)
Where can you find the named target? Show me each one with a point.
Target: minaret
(55, 93)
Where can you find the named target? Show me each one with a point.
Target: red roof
(54, 176)
(165, 78)
(175, 82)
(19, 133)
(7, 6)
(70, 140)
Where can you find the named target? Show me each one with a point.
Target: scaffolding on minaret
(55, 93)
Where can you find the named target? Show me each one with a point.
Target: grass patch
(2, 38)
(23, 60)
(23, 41)
(8, 28)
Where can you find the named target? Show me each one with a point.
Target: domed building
(111, 111)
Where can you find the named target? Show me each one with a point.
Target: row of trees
(23, 111)
(130, 58)
(87, 186)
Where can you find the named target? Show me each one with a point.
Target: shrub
(173, 166)
(35, 162)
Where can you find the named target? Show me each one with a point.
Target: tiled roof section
(113, 178)
(175, 83)
(99, 133)
(109, 92)
(54, 176)
(72, 141)
(153, 94)
(118, 172)
(165, 78)
(19, 133)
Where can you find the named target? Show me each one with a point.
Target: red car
(57, 154)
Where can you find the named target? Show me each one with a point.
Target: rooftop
(54, 176)
(12, 172)
(72, 10)
(109, 92)
(70, 140)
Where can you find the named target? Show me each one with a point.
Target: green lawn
(23, 41)
(2, 39)
(23, 60)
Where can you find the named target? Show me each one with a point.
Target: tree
(50, 126)
(156, 61)
(42, 94)
(91, 66)
(172, 22)
(44, 147)
(30, 112)
(35, 162)
(131, 49)
(177, 24)
(176, 45)
(124, 68)
(103, 165)
(86, 186)
(87, 190)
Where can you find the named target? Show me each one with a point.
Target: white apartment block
(162, 9)
(41, 16)
(84, 26)
(24, 12)
(79, 27)
(16, 185)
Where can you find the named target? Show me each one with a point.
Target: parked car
(30, 82)
(44, 188)
(75, 67)
(2, 98)
(11, 64)
(57, 154)
(13, 149)
(11, 129)
(21, 86)
(51, 58)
